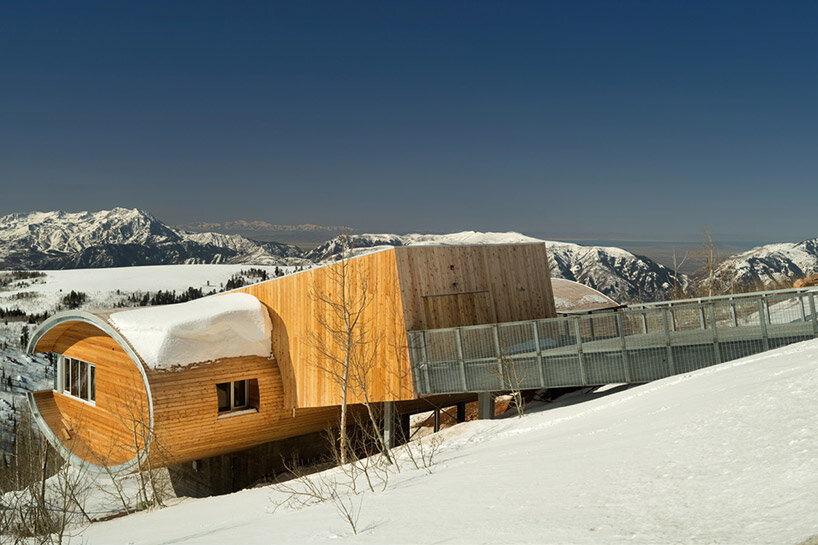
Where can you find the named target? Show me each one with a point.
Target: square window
(76, 378)
(237, 395)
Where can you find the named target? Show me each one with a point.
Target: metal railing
(637, 344)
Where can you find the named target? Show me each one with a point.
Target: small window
(76, 378)
(237, 395)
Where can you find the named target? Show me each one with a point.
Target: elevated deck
(634, 344)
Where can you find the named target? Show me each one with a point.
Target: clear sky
(586, 120)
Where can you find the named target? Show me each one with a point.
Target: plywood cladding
(409, 288)
(512, 280)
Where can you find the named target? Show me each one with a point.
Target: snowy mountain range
(125, 237)
(121, 237)
(771, 265)
(615, 272)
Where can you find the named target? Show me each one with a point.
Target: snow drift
(207, 329)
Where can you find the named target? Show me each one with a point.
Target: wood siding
(106, 428)
(418, 287)
(301, 321)
(187, 422)
(514, 277)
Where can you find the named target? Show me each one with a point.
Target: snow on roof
(207, 329)
(570, 295)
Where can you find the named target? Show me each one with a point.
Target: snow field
(724, 455)
(102, 285)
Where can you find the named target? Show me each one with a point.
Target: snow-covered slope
(121, 237)
(771, 264)
(613, 271)
(724, 455)
(111, 287)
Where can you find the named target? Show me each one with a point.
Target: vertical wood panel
(298, 334)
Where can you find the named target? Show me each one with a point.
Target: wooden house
(165, 385)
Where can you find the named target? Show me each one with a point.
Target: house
(171, 384)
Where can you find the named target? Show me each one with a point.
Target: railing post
(812, 312)
(539, 353)
(581, 356)
(803, 307)
(733, 312)
(426, 365)
(701, 315)
(625, 359)
(644, 322)
(672, 318)
(665, 313)
(716, 349)
(762, 320)
(767, 315)
(496, 331)
(460, 360)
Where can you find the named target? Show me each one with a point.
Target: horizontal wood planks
(515, 278)
(304, 315)
(188, 425)
(106, 427)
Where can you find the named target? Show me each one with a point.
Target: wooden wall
(447, 286)
(187, 422)
(302, 320)
(106, 427)
(417, 287)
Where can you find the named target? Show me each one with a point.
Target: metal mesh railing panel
(692, 357)
(733, 350)
(445, 377)
(555, 333)
(687, 318)
(441, 345)
(522, 373)
(648, 364)
(516, 338)
(785, 310)
(562, 371)
(484, 376)
(478, 342)
(634, 345)
(604, 368)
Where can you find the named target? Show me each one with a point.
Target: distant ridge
(124, 237)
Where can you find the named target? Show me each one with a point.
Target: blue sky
(576, 120)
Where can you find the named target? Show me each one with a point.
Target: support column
(405, 426)
(389, 424)
(437, 419)
(485, 406)
(461, 412)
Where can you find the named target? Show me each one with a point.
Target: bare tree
(676, 267)
(511, 376)
(346, 345)
(709, 250)
(42, 497)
